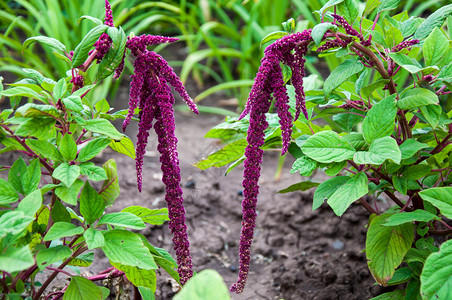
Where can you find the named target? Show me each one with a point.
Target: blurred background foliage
(221, 38)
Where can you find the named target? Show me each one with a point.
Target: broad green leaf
(102, 126)
(319, 31)
(222, 157)
(329, 4)
(92, 19)
(394, 295)
(416, 171)
(137, 276)
(93, 238)
(340, 74)
(92, 148)
(124, 146)
(370, 6)
(93, 172)
(441, 198)
(348, 192)
(82, 49)
(69, 194)
(347, 121)
(146, 293)
(380, 150)
(369, 89)
(81, 288)
(388, 5)
(32, 177)
(31, 203)
(334, 168)
(349, 9)
(417, 97)
(409, 64)
(68, 147)
(436, 276)
(432, 114)
(110, 188)
(60, 213)
(102, 106)
(304, 165)
(30, 110)
(114, 55)
(45, 149)
(59, 90)
(73, 103)
(24, 92)
(386, 247)
(328, 146)
(356, 140)
(410, 147)
(400, 184)
(380, 119)
(207, 284)
(326, 189)
(16, 259)
(48, 41)
(125, 247)
(418, 215)
(301, 186)
(16, 173)
(276, 35)
(434, 20)
(52, 255)
(122, 219)
(150, 216)
(401, 275)
(66, 173)
(83, 260)
(62, 229)
(7, 192)
(91, 204)
(42, 128)
(435, 47)
(14, 223)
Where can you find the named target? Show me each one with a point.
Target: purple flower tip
(108, 14)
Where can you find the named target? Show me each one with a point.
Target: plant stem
(367, 206)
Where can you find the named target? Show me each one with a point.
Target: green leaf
(411, 147)
(38, 127)
(326, 189)
(45, 149)
(434, 20)
(388, 5)
(114, 55)
(30, 110)
(16, 259)
(102, 106)
(137, 276)
(416, 171)
(92, 148)
(301, 186)
(432, 114)
(82, 49)
(93, 238)
(349, 9)
(150, 216)
(207, 284)
(401, 275)
(68, 147)
(52, 255)
(400, 184)
(125, 247)
(304, 165)
(276, 35)
(110, 188)
(370, 6)
(436, 276)
(328, 146)
(380, 120)
(24, 92)
(435, 47)
(319, 31)
(386, 247)
(418, 215)
(380, 150)
(92, 19)
(48, 41)
(417, 97)
(73, 103)
(59, 90)
(340, 74)
(441, 198)
(81, 288)
(69, 194)
(91, 204)
(123, 219)
(31, 203)
(225, 155)
(146, 293)
(347, 121)
(62, 229)
(93, 172)
(102, 126)
(32, 177)
(7, 192)
(356, 140)
(66, 173)
(124, 146)
(347, 193)
(409, 64)
(59, 213)
(329, 4)
(83, 260)
(394, 295)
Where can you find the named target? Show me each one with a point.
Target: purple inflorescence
(150, 91)
(268, 82)
(103, 44)
(108, 14)
(404, 44)
(78, 81)
(352, 31)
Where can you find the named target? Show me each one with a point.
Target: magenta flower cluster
(268, 84)
(151, 92)
(404, 44)
(350, 30)
(103, 44)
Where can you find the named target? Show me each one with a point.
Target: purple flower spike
(103, 44)
(404, 44)
(108, 14)
(350, 30)
(135, 89)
